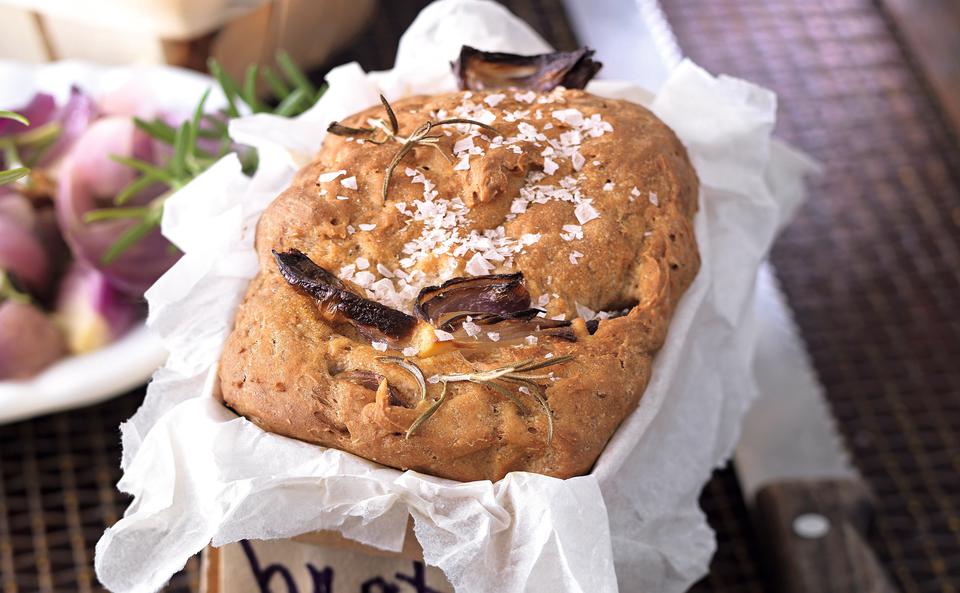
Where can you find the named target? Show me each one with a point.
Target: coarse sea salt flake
(442, 336)
(349, 182)
(608, 186)
(574, 256)
(363, 263)
(364, 278)
(549, 166)
(578, 161)
(585, 212)
(410, 351)
(464, 163)
(472, 329)
(367, 226)
(478, 265)
(654, 199)
(571, 117)
(379, 346)
(526, 97)
(330, 176)
(494, 100)
(531, 340)
(384, 271)
(323, 192)
(463, 144)
(494, 336)
(342, 198)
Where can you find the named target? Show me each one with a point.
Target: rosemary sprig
(10, 291)
(500, 380)
(14, 173)
(201, 141)
(390, 130)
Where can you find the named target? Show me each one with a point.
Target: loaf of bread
(468, 284)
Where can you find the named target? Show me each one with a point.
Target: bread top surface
(592, 199)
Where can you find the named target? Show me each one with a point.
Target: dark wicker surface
(870, 265)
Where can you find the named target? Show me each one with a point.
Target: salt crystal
(526, 97)
(574, 256)
(350, 229)
(330, 176)
(654, 199)
(585, 212)
(531, 340)
(543, 300)
(349, 182)
(494, 336)
(548, 355)
(443, 336)
(571, 117)
(571, 232)
(464, 163)
(323, 192)
(367, 227)
(524, 389)
(463, 144)
(380, 346)
(342, 198)
(550, 167)
(384, 271)
(596, 163)
(494, 100)
(433, 379)
(410, 351)
(472, 329)
(578, 161)
(478, 265)
(364, 278)
(363, 263)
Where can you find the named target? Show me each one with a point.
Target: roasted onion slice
(340, 303)
(371, 381)
(498, 294)
(480, 70)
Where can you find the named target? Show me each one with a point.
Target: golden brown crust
(281, 362)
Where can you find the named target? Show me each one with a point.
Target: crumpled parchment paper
(200, 474)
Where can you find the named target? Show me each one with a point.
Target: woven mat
(871, 268)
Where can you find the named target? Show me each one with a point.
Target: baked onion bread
(468, 284)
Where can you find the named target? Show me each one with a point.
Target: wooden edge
(210, 570)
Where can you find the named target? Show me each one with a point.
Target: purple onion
(29, 341)
(39, 111)
(75, 117)
(22, 254)
(89, 180)
(16, 208)
(91, 311)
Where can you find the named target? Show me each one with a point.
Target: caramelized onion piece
(497, 294)
(498, 303)
(480, 70)
(340, 303)
(370, 380)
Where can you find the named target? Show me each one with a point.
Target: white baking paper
(200, 474)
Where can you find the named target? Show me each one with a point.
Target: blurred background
(870, 265)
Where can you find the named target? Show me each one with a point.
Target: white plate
(84, 380)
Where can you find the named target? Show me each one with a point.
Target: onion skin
(90, 311)
(22, 255)
(29, 341)
(481, 70)
(89, 179)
